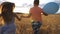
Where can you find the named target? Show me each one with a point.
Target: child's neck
(35, 5)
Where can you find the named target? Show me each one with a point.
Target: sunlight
(24, 5)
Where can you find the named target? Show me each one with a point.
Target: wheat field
(50, 25)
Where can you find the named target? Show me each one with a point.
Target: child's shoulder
(39, 7)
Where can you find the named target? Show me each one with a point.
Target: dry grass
(50, 25)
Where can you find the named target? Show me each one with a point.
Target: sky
(24, 5)
(20, 2)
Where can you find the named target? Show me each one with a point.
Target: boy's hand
(45, 14)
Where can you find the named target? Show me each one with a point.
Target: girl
(9, 17)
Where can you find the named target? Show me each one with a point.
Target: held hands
(22, 16)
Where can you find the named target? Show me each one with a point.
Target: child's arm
(45, 14)
(17, 17)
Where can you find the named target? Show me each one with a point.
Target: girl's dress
(8, 28)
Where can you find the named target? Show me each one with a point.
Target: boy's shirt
(36, 13)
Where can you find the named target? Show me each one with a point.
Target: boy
(35, 13)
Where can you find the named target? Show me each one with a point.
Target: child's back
(36, 13)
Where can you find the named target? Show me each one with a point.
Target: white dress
(8, 28)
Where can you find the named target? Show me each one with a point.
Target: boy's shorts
(36, 25)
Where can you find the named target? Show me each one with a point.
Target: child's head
(36, 2)
(7, 6)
